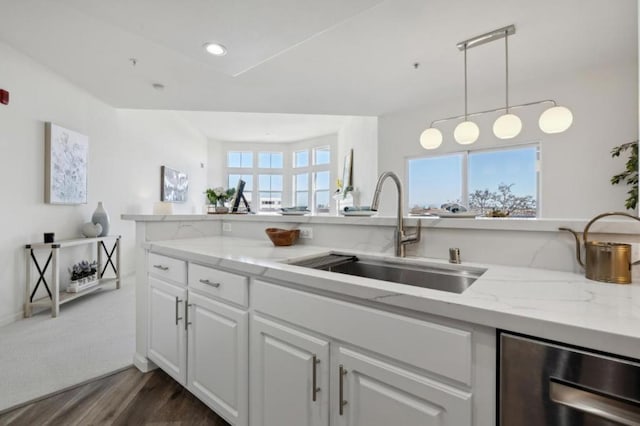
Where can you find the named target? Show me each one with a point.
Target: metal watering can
(604, 261)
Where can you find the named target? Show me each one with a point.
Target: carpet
(93, 336)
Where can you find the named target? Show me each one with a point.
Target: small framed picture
(66, 162)
(174, 185)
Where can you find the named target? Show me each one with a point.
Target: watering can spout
(578, 248)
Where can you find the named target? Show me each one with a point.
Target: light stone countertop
(554, 305)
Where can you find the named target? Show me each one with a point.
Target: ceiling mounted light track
(556, 119)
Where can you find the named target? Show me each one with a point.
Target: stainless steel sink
(436, 277)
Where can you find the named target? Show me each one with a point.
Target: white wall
(126, 150)
(361, 135)
(576, 165)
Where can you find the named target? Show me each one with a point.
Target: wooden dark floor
(125, 398)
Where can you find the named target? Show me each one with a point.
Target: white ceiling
(260, 127)
(303, 56)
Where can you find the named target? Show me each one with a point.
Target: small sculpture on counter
(91, 230)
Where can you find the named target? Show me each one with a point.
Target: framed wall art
(66, 162)
(174, 185)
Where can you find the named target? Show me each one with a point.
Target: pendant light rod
(506, 66)
(487, 38)
(465, 84)
(458, 117)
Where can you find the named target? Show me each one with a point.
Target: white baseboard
(143, 363)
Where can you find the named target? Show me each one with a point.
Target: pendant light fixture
(556, 119)
(507, 126)
(466, 132)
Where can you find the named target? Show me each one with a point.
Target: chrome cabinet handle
(599, 405)
(161, 267)
(186, 314)
(211, 283)
(177, 305)
(314, 385)
(343, 372)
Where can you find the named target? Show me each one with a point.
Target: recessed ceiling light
(215, 49)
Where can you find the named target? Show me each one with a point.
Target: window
(270, 160)
(295, 177)
(239, 159)
(301, 189)
(301, 159)
(503, 180)
(321, 191)
(270, 188)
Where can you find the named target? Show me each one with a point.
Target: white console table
(55, 298)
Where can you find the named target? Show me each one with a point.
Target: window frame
(465, 168)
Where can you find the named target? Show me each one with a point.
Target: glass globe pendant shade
(556, 119)
(466, 133)
(431, 138)
(507, 126)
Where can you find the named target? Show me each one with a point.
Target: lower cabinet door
(289, 376)
(218, 357)
(167, 346)
(370, 392)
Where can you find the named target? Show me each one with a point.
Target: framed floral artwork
(66, 162)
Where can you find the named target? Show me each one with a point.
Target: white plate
(461, 214)
(294, 213)
(359, 213)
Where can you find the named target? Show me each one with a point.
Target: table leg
(27, 292)
(118, 263)
(55, 283)
(99, 249)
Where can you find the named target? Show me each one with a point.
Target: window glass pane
(270, 182)
(504, 180)
(270, 201)
(322, 201)
(270, 160)
(239, 159)
(276, 182)
(301, 159)
(435, 181)
(302, 198)
(302, 182)
(321, 155)
(322, 180)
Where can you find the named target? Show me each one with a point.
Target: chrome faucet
(401, 239)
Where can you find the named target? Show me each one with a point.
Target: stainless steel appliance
(548, 384)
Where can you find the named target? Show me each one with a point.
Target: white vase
(102, 217)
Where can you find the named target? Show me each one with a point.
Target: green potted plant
(630, 175)
(217, 197)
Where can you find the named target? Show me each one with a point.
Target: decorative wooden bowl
(282, 237)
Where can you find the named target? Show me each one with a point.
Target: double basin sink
(434, 276)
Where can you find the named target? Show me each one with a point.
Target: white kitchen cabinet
(369, 392)
(289, 376)
(167, 336)
(218, 357)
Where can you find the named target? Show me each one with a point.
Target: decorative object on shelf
(282, 237)
(84, 275)
(49, 237)
(347, 174)
(555, 119)
(66, 155)
(217, 197)
(163, 208)
(102, 217)
(630, 174)
(174, 185)
(91, 230)
(604, 261)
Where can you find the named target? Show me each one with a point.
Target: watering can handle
(600, 216)
(586, 232)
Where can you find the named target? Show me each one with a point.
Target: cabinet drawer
(433, 347)
(223, 285)
(168, 268)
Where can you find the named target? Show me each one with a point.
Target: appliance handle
(608, 408)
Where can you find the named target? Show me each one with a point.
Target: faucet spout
(401, 238)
